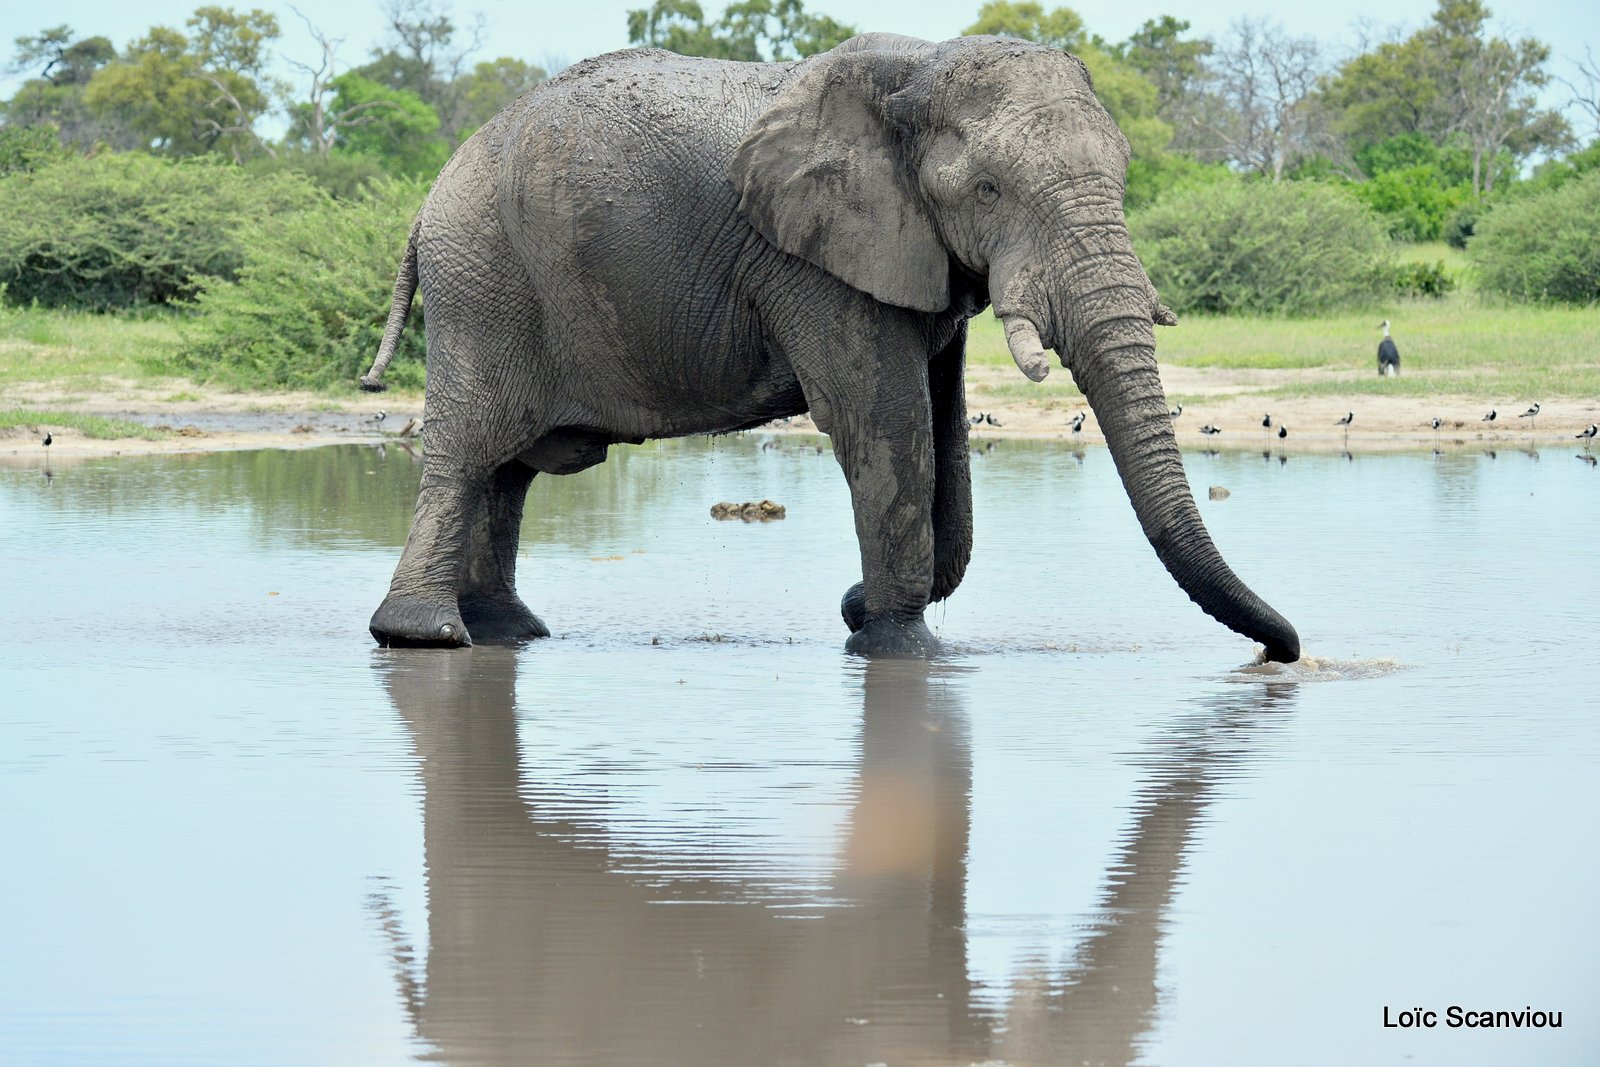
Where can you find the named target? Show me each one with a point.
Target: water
(688, 829)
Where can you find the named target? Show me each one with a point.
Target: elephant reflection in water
(540, 951)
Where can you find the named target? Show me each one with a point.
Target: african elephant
(654, 246)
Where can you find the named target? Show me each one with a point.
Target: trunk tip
(1283, 647)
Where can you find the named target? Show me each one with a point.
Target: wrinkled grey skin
(653, 246)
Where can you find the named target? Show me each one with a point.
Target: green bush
(1292, 248)
(117, 231)
(1463, 223)
(310, 303)
(28, 148)
(342, 174)
(1423, 279)
(1414, 202)
(1545, 248)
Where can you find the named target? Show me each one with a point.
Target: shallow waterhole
(235, 831)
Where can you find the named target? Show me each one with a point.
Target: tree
(424, 57)
(1061, 27)
(1585, 90)
(189, 95)
(55, 96)
(749, 30)
(1490, 90)
(1175, 67)
(1264, 115)
(398, 128)
(491, 85)
(1451, 80)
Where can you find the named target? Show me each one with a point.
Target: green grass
(1457, 345)
(81, 349)
(89, 425)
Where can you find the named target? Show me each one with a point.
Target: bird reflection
(539, 948)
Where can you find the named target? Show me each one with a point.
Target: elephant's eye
(987, 192)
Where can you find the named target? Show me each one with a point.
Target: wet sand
(1234, 401)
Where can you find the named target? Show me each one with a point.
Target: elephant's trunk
(1117, 373)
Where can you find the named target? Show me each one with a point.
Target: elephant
(651, 245)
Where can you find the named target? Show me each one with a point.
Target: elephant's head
(887, 158)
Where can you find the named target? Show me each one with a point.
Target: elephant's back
(604, 119)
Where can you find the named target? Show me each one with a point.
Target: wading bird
(1388, 354)
(990, 419)
(1531, 413)
(48, 437)
(1283, 431)
(1349, 417)
(975, 419)
(1437, 422)
(1175, 412)
(1266, 421)
(380, 416)
(1078, 421)
(1209, 429)
(1490, 417)
(1586, 436)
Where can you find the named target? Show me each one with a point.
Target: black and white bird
(1283, 431)
(380, 416)
(989, 419)
(1436, 423)
(1175, 412)
(1266, 421)
(1531, 413)
(1349, 417)
(1586, 436)
(1209, 429)
(48, 438)
(975, 419)
(1388, 354)
(1078, 420)
(1493, 414)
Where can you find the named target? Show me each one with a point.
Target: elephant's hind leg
(456, 581)
(488, 588)
(422, 608)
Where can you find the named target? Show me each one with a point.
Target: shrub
(1414, 201)
(28, 148)
(1289, 248)
(312, 297)
(1545, 248)
(1463, 223)
(341, 174)
(125, 230)
(1423, 279)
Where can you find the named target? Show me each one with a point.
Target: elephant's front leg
(952, 481)
(882, 437)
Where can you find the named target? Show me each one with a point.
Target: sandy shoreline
(208, 420)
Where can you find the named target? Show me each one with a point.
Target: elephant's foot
(501, 618)
(854, 606)
(414, 622)
(893, 637)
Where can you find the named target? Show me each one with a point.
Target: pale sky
(578, 28)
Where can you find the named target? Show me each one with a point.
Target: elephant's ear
(820, 175)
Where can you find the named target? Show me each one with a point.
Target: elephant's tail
(405, 286)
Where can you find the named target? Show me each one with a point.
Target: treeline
(184, 169)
